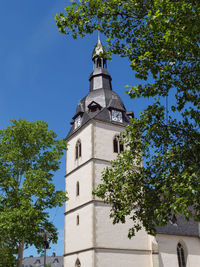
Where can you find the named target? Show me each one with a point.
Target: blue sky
(44, 74)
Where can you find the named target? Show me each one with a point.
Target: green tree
(7, 252)
(29, 156)
(159, 174)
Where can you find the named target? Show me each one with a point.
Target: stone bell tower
(91, 240)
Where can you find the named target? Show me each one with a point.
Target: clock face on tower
(77, 122)
(117, 116)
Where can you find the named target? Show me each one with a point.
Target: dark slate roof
(182, 228)
(100, 100)
(79, 109)
(107, 100)
(116, 104)
(100, 73)
(55, 261)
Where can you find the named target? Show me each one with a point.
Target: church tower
(91, 240)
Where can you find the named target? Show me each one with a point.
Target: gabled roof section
(107, 100)
(115, 104)
(94, 104)
(80, 109)
(182, 227)
(103, 115)
(54, 261)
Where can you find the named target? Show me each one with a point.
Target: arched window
(78, 149)
(117, 144)
(77, 220)
(181, 255)
(99, 63)
(78, 263)
(77, 189)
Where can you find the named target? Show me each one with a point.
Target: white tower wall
(96, 241)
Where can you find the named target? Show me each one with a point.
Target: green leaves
(6, 253)
(157, 176)
(160, 38)
(29, 156)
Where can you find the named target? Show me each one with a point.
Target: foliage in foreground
(29, 156)
(165, 184)
(161, 41)
(7, 252)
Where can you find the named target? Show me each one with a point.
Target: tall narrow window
(78, 150)
(77, 189)
(181, 256)
(77, 220)
(117, 144)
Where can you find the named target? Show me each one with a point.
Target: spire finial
(99, 41)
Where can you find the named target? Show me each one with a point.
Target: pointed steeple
(101, 102)
(100, 78)
(99, 55)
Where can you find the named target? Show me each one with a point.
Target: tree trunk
(20, 253)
